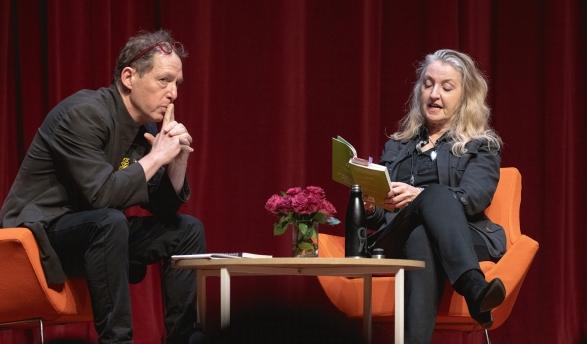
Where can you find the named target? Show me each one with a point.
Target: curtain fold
(269, 82)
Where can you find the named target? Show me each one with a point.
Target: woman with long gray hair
(444, 165)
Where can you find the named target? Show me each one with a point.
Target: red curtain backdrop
(268, 83)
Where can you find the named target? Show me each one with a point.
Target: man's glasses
(164, 47)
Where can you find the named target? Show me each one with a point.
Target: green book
(348, 169)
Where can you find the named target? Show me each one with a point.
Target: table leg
(201, 298)
(367, 321)
(224, 298)
(399, 306)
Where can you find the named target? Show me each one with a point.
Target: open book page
(342, 152)
(348, 169)
(373, 179)
(220, 256)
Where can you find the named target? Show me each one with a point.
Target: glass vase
(305, 239)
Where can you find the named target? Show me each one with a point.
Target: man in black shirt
(97, 153)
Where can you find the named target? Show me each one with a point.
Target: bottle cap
(378, 253)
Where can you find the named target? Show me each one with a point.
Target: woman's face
(441, 93)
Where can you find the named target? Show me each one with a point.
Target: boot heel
(485, 319)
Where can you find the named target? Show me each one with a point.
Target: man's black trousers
(100, 244)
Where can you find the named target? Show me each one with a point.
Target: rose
(278, 204)
(316, 190)
(301, 205)
(327, 208)
(306, 203)
(293, 191)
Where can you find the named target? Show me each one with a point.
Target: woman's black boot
(481, 296)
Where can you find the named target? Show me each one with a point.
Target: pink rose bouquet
(303, 208)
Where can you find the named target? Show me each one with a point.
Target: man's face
(155, 90)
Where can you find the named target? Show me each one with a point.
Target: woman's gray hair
(471, 118)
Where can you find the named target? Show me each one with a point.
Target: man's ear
(126, 77)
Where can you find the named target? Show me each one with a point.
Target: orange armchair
(346, 293)
(24, 293)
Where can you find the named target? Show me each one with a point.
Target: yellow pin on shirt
(124, 163)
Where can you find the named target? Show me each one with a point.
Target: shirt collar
(423, 135)
(122, 115)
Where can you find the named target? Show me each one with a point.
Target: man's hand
(173, 141)
(174, 129)
(400, 195)
(178, 166)
(171, 147)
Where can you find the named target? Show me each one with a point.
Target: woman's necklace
(433, 153)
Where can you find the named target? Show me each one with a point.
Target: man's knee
(193, 232)
(107, 244)
(112, 224)
(108, 216)
(190, 221)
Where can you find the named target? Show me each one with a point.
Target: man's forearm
(176, 171)
(150, 164)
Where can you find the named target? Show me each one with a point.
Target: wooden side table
(350, 267)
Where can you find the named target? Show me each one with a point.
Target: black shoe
(198, 338)
(491, 296)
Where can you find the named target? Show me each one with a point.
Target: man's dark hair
(139, 50)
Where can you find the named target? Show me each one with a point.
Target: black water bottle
(355, 231)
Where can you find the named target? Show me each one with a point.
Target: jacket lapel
(442, 162)
(404, 153)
